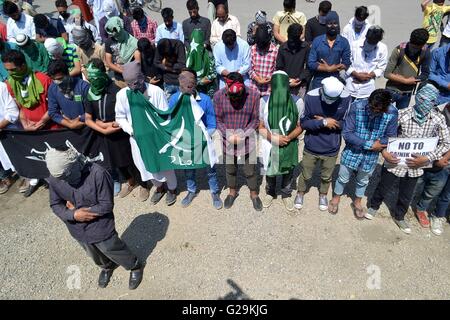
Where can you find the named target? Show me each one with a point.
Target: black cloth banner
(27, 150)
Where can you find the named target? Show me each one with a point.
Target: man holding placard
(420, 121)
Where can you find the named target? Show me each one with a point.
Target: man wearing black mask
(408, 65)
(292, 58)
(330, 53)
(195, 22)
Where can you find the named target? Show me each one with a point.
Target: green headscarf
(31, 90)
(98, 80)
(198, 57)
(282, 119)
(36, 55)
(127, 43)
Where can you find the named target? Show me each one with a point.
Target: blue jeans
(433, 183)
(212, 180)
(401, 100)
(443, 200)
(345, 173)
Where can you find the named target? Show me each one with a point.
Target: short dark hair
(98, 63)
(419, 37)
(57, 66)
(362, 13)
(229, 37)
(380, 100)
(192, 4)
(61, 3)
(190, 70)
(295, 30)
(235, 76)
(167, 13)
(289, 5)
(138, 13)
(40, 21)
(165, 48)
(325, 6)
(14, 56)
(375, 34)
(9, 8)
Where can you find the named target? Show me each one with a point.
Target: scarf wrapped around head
(133, 76)
(294, 32)
(82, 38)
(282, 119)
(198, 58)
(27, 94)
(59, 162)
(110, 8)
(187, 82)
(260, 17)
(426, 100)
(35, 53)
(127, 43)
(99, 82)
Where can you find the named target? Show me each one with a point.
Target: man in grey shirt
(195, 22)
(81, 195)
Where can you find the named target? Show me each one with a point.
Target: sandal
(333, 208)
(358, 212)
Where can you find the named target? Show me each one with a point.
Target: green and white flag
(173, 139)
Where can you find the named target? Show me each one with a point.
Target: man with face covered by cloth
(34, 51)
(87, 49)
(81, 195)
(135, 80)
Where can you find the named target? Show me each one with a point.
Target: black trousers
(286, 185)
(111, 253)
(405, 192)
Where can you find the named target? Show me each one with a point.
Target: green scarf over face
(98, 80)
(282, 119)
(32, 91)
(167, 140)
(198, 58)
(127, 43)
(36, 55)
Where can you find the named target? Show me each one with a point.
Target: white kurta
(10, 112)
(266, 145)
(123, 118)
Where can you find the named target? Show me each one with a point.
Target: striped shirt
(435, 126)
(70, 56)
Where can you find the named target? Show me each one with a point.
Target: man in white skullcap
(81, 195)
(323, 118)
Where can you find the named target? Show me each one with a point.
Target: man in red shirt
(29, 89)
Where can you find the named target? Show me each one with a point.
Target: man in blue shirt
(330, 53)
(322, 120)
(232, 54)
(65, 96)
(440, 73)
(169, 29)
(188, 81)
(367, 128)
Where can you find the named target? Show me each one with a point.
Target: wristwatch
(324, 122)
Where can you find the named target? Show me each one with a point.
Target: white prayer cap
(22, 39)
(332, 87)
(59, 161)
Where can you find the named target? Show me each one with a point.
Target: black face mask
(65, 86)
(64, 14)
(332, 31)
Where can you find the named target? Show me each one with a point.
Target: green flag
(173, 139)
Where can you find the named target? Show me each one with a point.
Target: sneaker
(157, 196)
(143, 194)
(171, 198)
(188, 199)
(23, 184)
(217, 202)
(267, 201)
(288, 204)
(422, 216)
(298, 203)
(403, 226)
(126, 190)
(31, 189)
(370, 214)
(117, 187)
(323, 203)
(437, 225)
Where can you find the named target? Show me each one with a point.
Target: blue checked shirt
(361, 130)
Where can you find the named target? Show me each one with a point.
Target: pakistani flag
(173, 139)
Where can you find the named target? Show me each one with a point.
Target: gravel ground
(201, 253)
